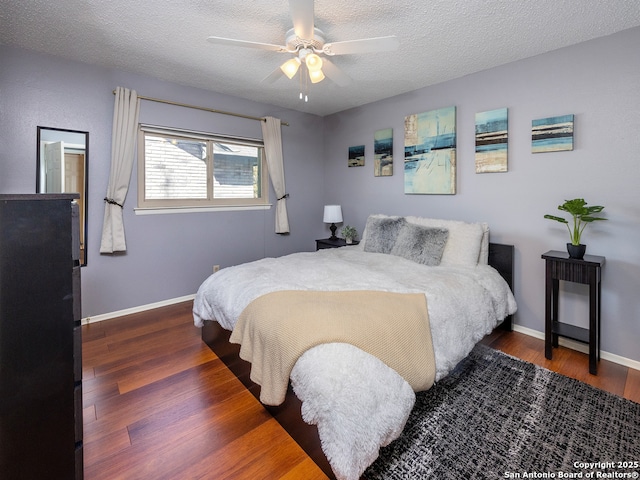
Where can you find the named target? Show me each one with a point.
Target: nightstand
(559, 266)
(328, 243)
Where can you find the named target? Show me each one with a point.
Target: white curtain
(125, 124)
(272, 136)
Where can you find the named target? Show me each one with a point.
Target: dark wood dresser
(40, 338)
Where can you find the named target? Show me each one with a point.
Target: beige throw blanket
(275, 329)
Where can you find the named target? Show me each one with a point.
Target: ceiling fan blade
(334, 73)
(365, 45)
(273, 76)
(302, 16)
(244, 43)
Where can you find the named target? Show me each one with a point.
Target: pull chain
(306, 83)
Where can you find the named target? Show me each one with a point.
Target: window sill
(209, 208)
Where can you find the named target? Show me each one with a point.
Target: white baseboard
(565, 342)
(141, 308)
(580, 347)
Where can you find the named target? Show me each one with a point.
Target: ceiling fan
(307, 44)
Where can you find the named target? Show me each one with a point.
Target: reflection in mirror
(62, 166)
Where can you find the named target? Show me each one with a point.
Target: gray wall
(168, 255)
(598, 82)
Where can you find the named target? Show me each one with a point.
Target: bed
(441, 276)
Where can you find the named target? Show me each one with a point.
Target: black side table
(328, 243)
(586, 271)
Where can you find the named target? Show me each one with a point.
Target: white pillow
(465, 243)
(483, 259)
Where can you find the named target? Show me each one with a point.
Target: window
(190, 169)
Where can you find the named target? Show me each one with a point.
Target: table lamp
(332, 215)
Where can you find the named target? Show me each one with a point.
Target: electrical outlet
(216, 268)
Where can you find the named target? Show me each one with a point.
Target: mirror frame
(39, 164)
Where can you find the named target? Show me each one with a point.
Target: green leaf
(581, 214)
(557, 219)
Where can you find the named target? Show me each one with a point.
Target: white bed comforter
(464, 303)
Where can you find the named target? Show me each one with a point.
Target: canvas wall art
(491, 141)
(383, 153)
(356, 156)
(553, 134)
(430, 152)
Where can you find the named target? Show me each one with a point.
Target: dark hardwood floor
(158, 404)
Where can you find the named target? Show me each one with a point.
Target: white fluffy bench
(358, 403)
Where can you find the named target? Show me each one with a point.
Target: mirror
(62, 163)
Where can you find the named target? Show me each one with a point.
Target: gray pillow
(421, 244)
(382, 233)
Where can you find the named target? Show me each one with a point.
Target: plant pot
(576, 251)
(349, 240)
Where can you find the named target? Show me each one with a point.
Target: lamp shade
(332, 214)
(290, 67)
(316, 76)
(313, 62)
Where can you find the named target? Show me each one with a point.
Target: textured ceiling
(439, 40)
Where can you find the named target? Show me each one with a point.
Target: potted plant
(582, 216)
(349, 233)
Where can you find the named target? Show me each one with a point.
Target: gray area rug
(496, 416)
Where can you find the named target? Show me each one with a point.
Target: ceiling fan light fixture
(316, 76)
(290, 67)
(313, 62)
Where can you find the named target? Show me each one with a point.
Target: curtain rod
(212, 110)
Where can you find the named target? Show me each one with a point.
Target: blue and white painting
(383, 153)
(430, 152)
(553, 134)
(491, 141)
(356, 156)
